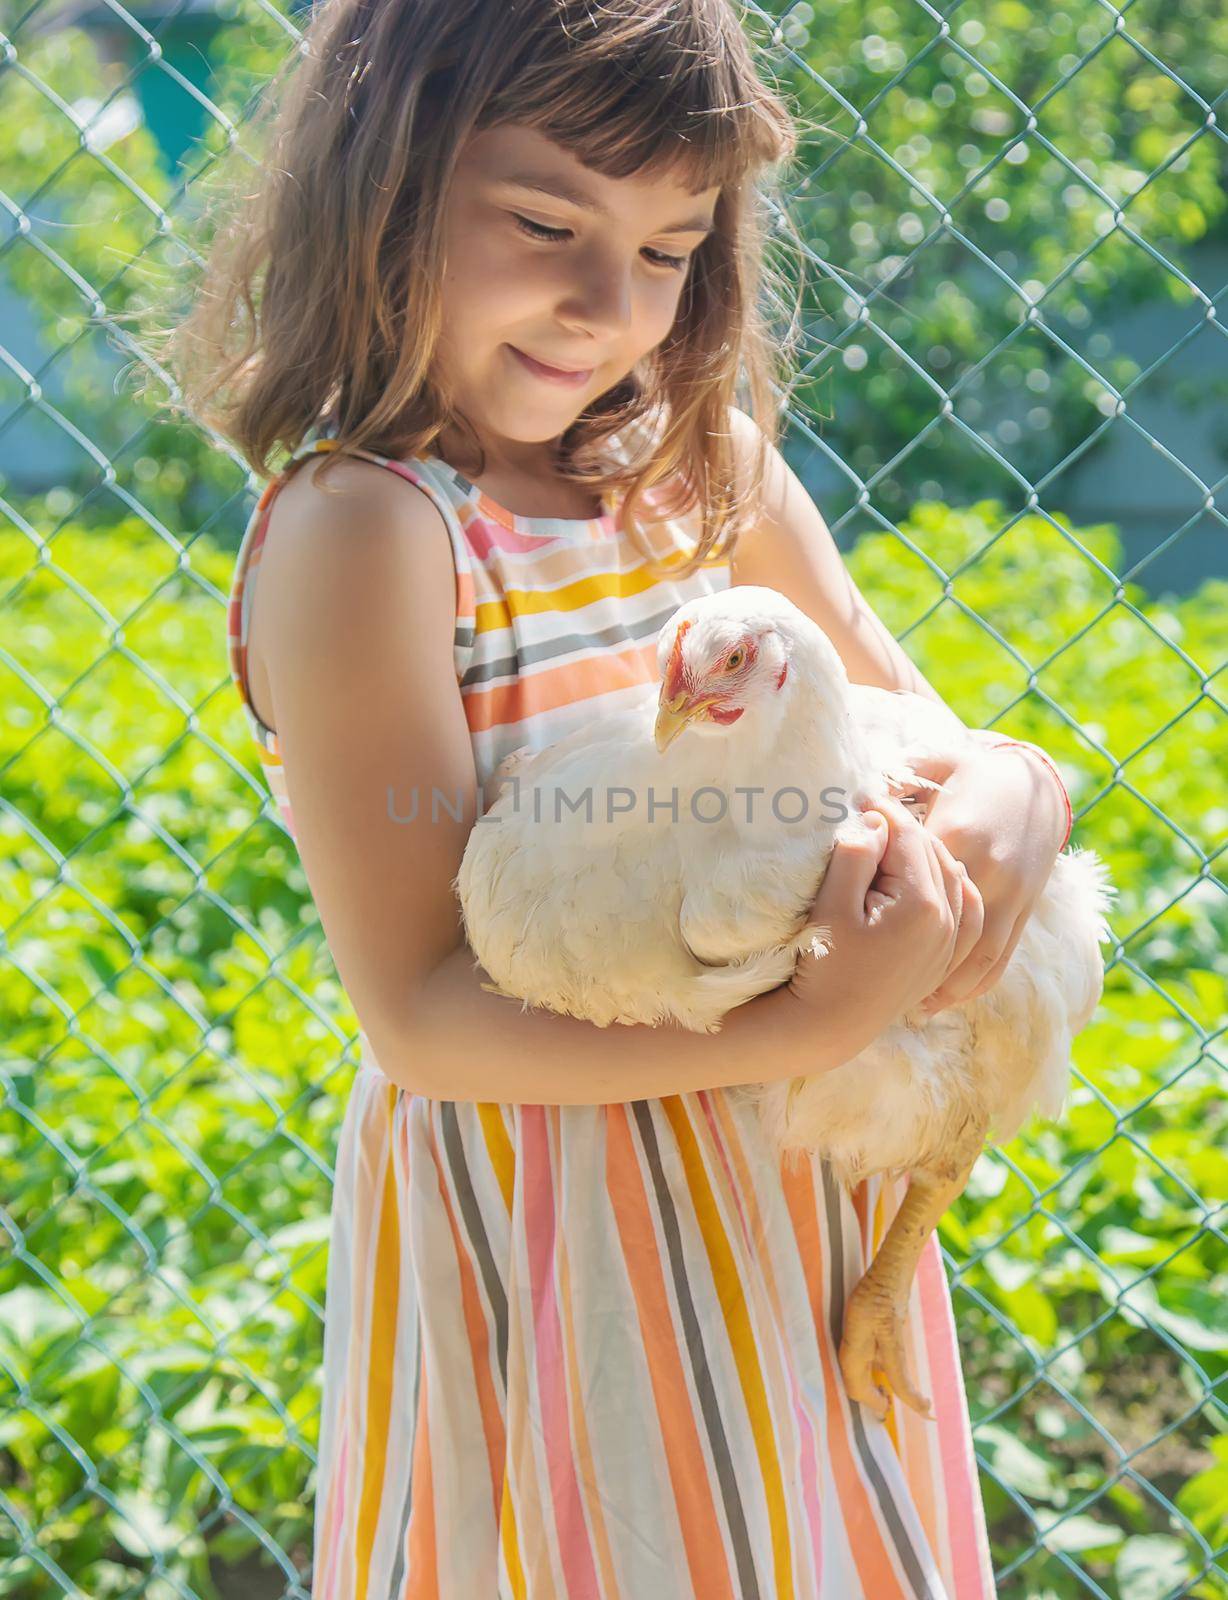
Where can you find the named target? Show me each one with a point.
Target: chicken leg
(874, 1318)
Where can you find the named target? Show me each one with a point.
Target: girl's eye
(733, 661)
(674, 263)
(538, 230)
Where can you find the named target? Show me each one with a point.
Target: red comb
(675, 683)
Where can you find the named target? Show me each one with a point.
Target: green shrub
(178, 1052)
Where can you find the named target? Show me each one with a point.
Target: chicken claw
(874, 1317)
(874, 1340)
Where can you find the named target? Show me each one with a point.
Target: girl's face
(550, 265)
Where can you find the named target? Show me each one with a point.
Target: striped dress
(589, 1352)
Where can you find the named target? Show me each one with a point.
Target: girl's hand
(999, 813)
(897, 911)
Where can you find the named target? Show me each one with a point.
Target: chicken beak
(672, 718)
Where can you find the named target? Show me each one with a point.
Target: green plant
(178, 1050)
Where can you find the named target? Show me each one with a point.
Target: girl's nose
(598, 299)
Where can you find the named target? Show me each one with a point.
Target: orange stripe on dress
(920, 1465)
(541, 1215)
(328, 1547)
(365, 1210)
(422, 1556)
(466, 594)
(535, 693)
(523, 1538)
(689, 1473)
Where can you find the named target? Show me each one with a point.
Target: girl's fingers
(909, 857)
(975, 973)
(852, 867)
(953, 880)
(971, 924)
(998, 966)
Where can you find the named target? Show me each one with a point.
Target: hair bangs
(660, 87)
(716, 150)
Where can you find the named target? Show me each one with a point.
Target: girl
(497, 291)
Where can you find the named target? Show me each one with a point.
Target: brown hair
(319, 297)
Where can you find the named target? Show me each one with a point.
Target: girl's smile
(573, 378)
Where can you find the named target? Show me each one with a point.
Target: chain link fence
(988, 196)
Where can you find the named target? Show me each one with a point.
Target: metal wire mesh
(176, 1047)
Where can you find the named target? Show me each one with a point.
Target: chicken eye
(734, 660)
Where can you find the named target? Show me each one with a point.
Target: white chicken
(660, 863)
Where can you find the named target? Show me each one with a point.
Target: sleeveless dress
(589, 1352)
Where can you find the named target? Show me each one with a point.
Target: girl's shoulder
(347, 542)
(427, 473)
(357, 493)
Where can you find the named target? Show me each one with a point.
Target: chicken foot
(874, 1318)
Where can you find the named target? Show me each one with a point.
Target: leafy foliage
(980, 196)
(178, 1051)
(980, 190)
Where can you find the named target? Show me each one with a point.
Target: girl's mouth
(539, 369)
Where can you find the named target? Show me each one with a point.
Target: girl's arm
(352, 624)
(460, 1042)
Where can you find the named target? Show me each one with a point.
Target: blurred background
(1011, 409)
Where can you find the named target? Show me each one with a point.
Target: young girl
(500, 277)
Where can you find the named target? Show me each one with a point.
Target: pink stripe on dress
(876, 1570)
(954, 1435)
